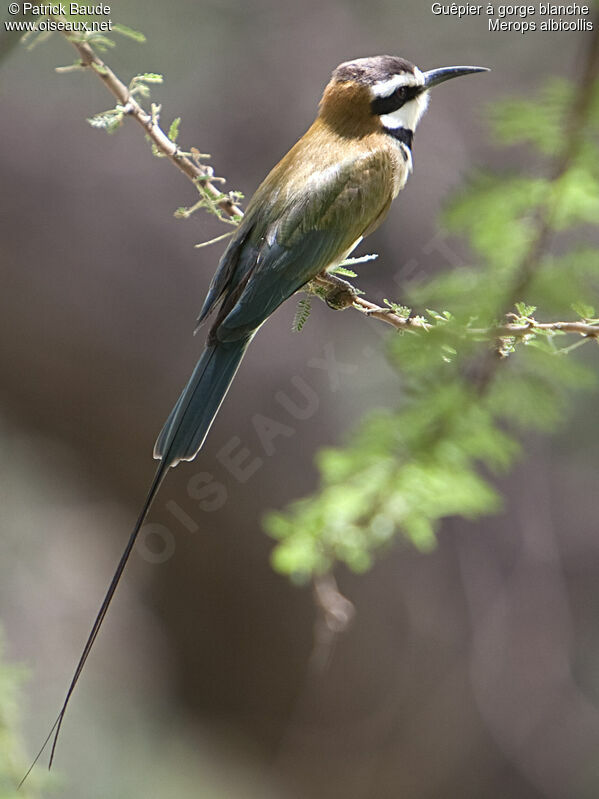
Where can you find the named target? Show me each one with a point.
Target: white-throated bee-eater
(332, 189)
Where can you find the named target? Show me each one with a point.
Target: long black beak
(435, 76)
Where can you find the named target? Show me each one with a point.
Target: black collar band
(404, 135)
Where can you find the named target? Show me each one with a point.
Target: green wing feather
(289, 237)
(286, 238)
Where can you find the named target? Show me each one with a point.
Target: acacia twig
(194, 171)
(517, 329)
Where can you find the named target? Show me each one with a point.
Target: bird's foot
(339, 299)
(341, 294)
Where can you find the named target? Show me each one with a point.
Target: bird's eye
(401, 93)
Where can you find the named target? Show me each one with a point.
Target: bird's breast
(322, 158)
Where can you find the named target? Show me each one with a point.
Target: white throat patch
(409, 115)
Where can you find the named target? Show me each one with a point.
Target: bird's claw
(341, 294)
(340, 298)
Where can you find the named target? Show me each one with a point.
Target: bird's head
(381, 92)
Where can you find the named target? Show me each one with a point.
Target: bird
(332, 189)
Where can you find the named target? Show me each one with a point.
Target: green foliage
(139, 90)
(102, 43)
(69, 25)
(110, 120)
(304, 307)
(467, 396)
(540, 124)
(13, 760)
(400, 310)
(139, 84)
(173, 131)
(129, 33)
(344, 272)
(210, 201)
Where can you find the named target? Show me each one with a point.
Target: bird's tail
(187, 426)
(182, 436)
(55, 731)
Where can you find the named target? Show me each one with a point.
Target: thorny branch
(197, 172)
(512, 329)
(194, 171)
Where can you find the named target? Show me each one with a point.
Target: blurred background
(471, 671)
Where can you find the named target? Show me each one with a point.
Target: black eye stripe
(402, 95)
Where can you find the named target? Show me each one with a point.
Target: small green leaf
(525, 310)
(400, 310)
(341, 270)
(101, 43)
(173, 131)
(149, 77)
(108, 120)
(583, 310)
(137, 36)
(304, 307)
